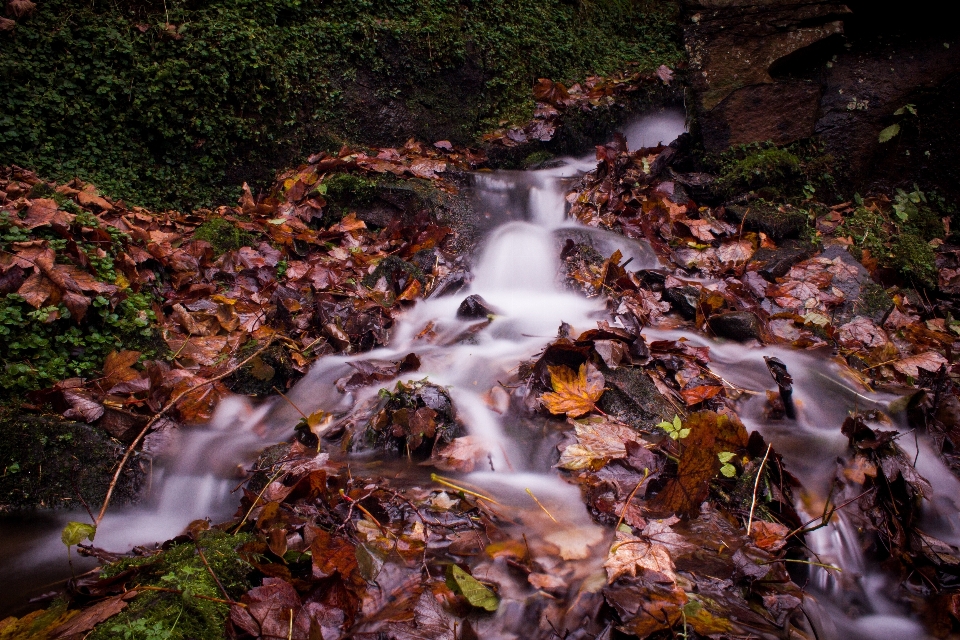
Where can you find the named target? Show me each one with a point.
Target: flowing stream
(516, 272)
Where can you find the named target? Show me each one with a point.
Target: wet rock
(777, 221)
(631, 397)
(475, 307)
(776, 262)
(50, 463)
(683, 300)
(741, 326)
(274, 368)
(737, 51)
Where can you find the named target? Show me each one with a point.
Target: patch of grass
(180, 114)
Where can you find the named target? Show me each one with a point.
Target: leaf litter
(698, 515)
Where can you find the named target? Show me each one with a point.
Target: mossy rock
(631, 396)
(46, 462)
(164, 614)
(274, 368)
(779, 221)
(772, 168)
(224, 236)
(415, 418)
(397, 272)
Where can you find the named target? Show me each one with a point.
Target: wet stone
(775, 263)
(777, 221)
(741, 326)
(475, 307)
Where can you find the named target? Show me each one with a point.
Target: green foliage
(752, 167)
(727, 469)
(350, 190)
(156, 614)
(77, 532)
(473, 590)
(223, 235)
(898, 241)
(793, 173)
(675, 429)
(43, 346)
(170, 116)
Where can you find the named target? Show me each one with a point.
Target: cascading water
(516, 273)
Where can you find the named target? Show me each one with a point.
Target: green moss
(751, 168)
(873, 300)
(223, 235)
(158, 614)
(894, 244)
(536, 158)
(237, 88)
(914, 259)
(346, 192)
(49, 462)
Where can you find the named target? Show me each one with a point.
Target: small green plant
(889, 133)
(675, 429)
(728, 470)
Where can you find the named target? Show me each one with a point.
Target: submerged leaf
(476, 594)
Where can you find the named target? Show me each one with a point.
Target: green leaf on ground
(476, 594)
(887, 134)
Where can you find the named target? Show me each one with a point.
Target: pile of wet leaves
(695, 526)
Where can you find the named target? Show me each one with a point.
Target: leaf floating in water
(476, 593)
(574, 394)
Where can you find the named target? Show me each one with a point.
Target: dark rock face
(775, 263)
(741, 326)
(475, 307)
(50, 463)
(777, 221)
(736, 47)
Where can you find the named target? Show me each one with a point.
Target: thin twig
(623, 512)
(756, 483)
(825, 517)
(444, 481)
(540, 504)
(290, 402)
(212, 574)
(143, 432)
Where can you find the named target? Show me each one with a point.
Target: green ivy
(179, 115)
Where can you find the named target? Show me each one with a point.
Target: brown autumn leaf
(710, 435)
(463, 454)
(859, 468)
(697, 395)
(598, 441)
(861, 332)
(273, 610)
(735, 251)
(82, 405)
(630, 555)
(20, 8)
(6, 24)
(574, 394)
(769, 536)
(547, 90)
(37, 289)
(929, 361)
(79, 625)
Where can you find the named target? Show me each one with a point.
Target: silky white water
(515, 271)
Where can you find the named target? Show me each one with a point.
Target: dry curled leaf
(598, 442)
(929, 361)
(574, 394)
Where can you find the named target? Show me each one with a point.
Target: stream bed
(515, 272)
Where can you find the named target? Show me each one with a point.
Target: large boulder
(738, 48)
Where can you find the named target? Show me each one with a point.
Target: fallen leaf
(710, 435)
(630, 554)
(928, 361)
(769, 536)
(476, 593)
(598, 441)
(573, 394)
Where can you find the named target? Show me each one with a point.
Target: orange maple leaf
(573, 393)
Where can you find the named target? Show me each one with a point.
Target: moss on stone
(48, 462)
(223, 235)
(914, 259)
(748, 169)
(163, 614)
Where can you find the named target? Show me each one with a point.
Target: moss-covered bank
(179, 102)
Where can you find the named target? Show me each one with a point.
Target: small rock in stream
(474, 307)
(736, 325)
